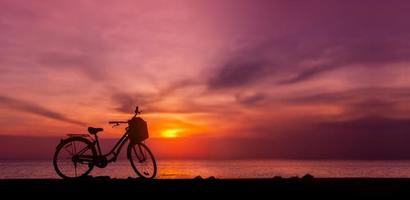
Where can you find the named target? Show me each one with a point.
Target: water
(224, 169)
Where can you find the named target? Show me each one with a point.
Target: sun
(170, 133)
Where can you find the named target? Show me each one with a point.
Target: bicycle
(77, 155)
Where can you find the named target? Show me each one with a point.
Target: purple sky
(312, 70)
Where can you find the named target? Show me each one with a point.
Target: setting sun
(170, 133)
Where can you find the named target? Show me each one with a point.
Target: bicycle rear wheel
(74, 158)
(142, 160)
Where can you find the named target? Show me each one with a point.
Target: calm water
(225, 169)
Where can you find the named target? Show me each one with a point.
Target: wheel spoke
(75, 169)
(65, 148)
(137, 154)
(75, 150)
(143, 161)
(67, 160)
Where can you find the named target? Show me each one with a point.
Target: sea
(224, 169)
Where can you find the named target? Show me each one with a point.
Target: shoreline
(305, 186)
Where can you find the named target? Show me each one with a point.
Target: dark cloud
(370, 51)
(370, 54)
(253, 99)
(394, 94)
(308, 74)
(325, 97)
(255, 63)
(359, 102)
(280, 60)
(237, 73)
(150, 103)
(32, 108)
(126, 101)
(376, 107)
(314, 38)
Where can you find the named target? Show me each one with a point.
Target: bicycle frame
(115, 151)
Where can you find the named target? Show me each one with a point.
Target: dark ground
(275, 187)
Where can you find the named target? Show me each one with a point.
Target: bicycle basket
(137, 130)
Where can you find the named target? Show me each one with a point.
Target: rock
(307, 177)
(86, 177)
(102, 177)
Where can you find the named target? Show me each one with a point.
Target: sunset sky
(207, 69)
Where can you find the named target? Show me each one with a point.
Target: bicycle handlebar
(117, 122)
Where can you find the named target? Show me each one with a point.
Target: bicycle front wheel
(142, 160)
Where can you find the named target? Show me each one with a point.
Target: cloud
(253, 54)
(367, 53)
(32, 108)
(251, 99)
(151, 103)
(359, 102)
(300, 58)
(90, 64)
(35, 36)
(394, 94)
(237, 73)
(307, 74)
(126, 102)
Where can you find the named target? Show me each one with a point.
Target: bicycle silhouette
(77, 155)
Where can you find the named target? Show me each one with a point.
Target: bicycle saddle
(93, 130)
